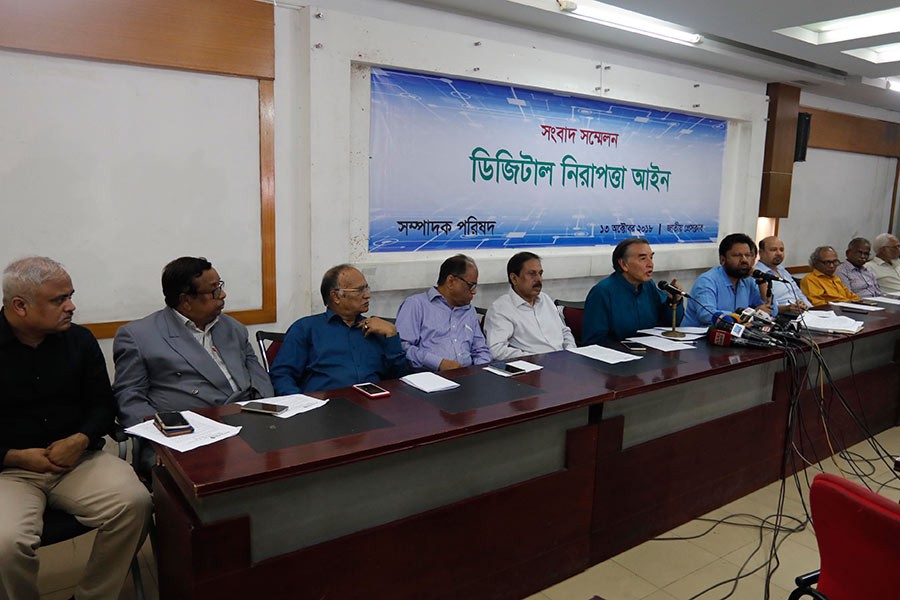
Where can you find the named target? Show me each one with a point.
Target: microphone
(668, 287)
(757, 274)
(718, 337)
(743, 332)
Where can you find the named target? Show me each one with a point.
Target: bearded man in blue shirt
(339, 347)
(729, 286)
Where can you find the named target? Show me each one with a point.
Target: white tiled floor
(655, 570)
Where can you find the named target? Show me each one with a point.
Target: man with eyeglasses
(854, 273)
(886, 263)
(188, 355)
(822, 285)
(439, 327)
(729, 286)
(339, 347)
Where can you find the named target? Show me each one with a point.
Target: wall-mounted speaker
(803, 122)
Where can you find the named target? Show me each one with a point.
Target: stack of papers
(429, 382)
(662, 343)
(296, 403)
(526, 367)
(826, 321)
(607, 355)
(206, 431)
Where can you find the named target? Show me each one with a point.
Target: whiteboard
(114, 170)
(835, 197)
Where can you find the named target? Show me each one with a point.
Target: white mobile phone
(371, 390)
(264, 407)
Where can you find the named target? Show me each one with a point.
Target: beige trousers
(102, 492)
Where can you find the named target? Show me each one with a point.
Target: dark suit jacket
(160, 366)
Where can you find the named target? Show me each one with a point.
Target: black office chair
(60, 526)
(569, 303)
(481, 312)
(269, 345)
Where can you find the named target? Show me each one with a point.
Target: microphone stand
(674, 333)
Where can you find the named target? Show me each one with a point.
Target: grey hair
(858, 240)
(881, 240)
(21, 277)
(814, 257)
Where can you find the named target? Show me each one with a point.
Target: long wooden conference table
(503, 486)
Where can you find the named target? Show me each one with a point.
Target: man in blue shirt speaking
(340, 346)
(729, 286)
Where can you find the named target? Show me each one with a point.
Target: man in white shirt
(524, 320)
(787, 296)
(886, 263)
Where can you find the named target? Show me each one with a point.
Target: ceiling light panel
(857, 27)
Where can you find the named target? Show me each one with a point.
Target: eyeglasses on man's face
(471, 285)
(830, 263)
(363, 289)
(217, 292)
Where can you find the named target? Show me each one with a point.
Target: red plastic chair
(858, 533)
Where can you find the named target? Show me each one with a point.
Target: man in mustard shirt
(822, 285)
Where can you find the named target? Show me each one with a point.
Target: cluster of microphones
(744, 327)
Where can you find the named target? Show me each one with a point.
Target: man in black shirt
(55, 407)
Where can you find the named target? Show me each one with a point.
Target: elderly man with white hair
(886, 262)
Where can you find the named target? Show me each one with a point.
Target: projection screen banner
(458, 165)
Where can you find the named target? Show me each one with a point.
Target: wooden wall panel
(778, 161)
(849, 133)
(234, 37)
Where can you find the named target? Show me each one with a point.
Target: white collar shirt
(514, 328)
(887, 273)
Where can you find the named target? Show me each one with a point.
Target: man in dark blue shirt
(339, 347)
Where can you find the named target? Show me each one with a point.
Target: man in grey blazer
(188, 355)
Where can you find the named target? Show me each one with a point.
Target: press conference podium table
(499, 488)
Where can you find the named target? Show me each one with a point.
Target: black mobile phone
(171, 420)
(264, 407)
(511, 369)
(172, 423)
(371, 390)
(634, 346)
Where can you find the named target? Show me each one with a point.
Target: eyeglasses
(216, 292)
(830, 263)
(471, 285)
(359, 290)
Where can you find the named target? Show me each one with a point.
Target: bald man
(788, 296)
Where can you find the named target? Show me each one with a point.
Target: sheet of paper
(429, 382)
(661, 343)
(206, 431)
(689, 336)
(607, 355)
(884, 299)
(296, 403)
(858, 306)
(522, 364)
